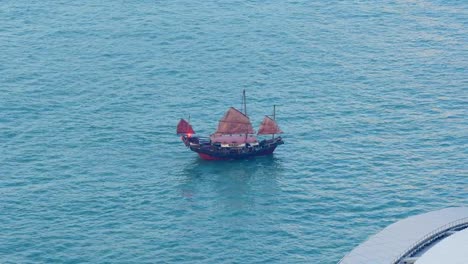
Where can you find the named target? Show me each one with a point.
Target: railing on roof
(427, 239)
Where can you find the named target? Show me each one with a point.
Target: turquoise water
(372, 96)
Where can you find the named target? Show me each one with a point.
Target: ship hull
(208, 151)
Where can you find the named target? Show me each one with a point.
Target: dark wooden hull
(207, 151)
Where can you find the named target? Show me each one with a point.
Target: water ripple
(372, 96)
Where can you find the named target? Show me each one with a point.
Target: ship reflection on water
(232, 184)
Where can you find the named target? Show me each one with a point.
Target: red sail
(269, 126)
(184, 127)
(234, 122)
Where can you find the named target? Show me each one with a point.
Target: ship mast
(274, 119)
(244, 101)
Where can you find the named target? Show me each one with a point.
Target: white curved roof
(395, 240)
(453, 250)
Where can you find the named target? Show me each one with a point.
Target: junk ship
(235, 137)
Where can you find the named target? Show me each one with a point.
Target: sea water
(372, 97)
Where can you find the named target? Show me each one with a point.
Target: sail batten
(184, 127)
(268, 127)
(234, 122)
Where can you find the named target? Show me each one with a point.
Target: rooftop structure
(435, 237)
